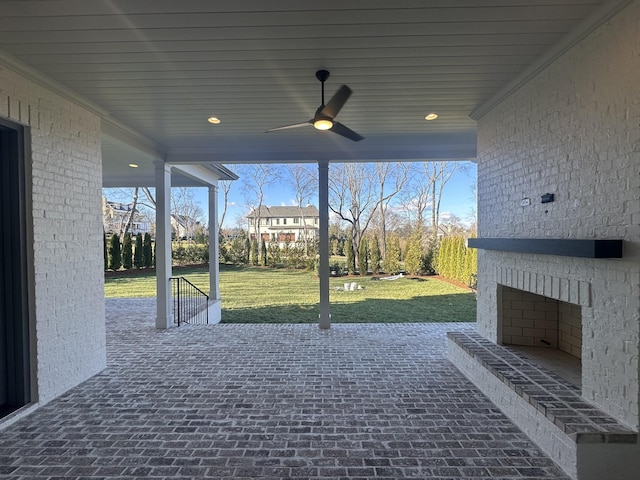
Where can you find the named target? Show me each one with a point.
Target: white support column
(215, 305)
(164, 318)
(214, 266)
(324, 319)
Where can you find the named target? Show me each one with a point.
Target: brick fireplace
(537, 321)
(559, 164)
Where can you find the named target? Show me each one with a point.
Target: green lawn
(257, 295)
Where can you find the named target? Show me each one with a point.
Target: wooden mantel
(552, 246)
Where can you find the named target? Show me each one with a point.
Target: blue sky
(457, 197)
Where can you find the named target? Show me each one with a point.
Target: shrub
(148, 259)
(455, 260)
(274, 256)
(375, 255)
(192, 254)
(137, 253)
(254, 252)
(363, 254)
(115, 255)
(413, 258)
(246, 253)
(392, 255)
(127, 252)
(263, 252)
(351, 256)
(105, 251)
(428, 260)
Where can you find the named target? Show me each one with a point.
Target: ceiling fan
(324, 119)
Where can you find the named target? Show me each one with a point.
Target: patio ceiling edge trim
(205, 174)
(584, 28)
(131, 137)
(110, 126)
(49, 83)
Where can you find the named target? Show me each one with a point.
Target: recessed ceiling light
(431, 116)
(214, 120)
(133, 165)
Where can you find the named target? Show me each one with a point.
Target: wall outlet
(525, 202)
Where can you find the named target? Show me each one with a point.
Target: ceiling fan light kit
(324, 119)
(323, 123)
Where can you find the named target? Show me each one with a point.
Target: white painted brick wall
(573, 131)
(66, 181)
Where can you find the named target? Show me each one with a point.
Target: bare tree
(416, 198)
(304, 181)
(391, 179)
(424, 193)
(256, 179)
(225, 186)
(150, 198)
(186, 212)
(126, 197)
(437, 175)
(130, 215)
(353, 197)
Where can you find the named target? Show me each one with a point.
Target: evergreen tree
(263, 252)
(375, 255)
(458, 259)
(247, 251)
(115, 257)
(392, 255)
(351, 257)
(137, 254)
(413, 258)
(470, 264)
(363, 256)
(396, 239)
(275, 255)
(147, 251)
(254, 252)
(127, 252)
(442, 254)
(105, 251)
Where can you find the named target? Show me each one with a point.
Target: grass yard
(258, 295)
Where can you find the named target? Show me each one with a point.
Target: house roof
(309, 211)
(155, 70)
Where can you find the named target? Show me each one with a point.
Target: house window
(284, 221)
(287, 237)
(315, 220)
(265, 237)
(296, 220)
(277, 221)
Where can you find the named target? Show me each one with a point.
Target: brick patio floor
(271, 401)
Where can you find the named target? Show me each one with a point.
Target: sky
(457, 197)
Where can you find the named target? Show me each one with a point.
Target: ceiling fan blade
(336, 103)
(340, 129)
(287, 127)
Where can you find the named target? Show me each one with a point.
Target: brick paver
(271, 401)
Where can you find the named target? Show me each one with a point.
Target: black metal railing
(190, 304)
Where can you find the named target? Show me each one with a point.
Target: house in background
(115, 216)
(184, 227)
(284, 224)
(554, 99)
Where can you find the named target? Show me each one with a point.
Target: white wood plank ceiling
(162, 67)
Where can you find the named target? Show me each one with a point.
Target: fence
(190, 304)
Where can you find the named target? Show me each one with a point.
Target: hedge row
(125, 255)
(456, 261)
